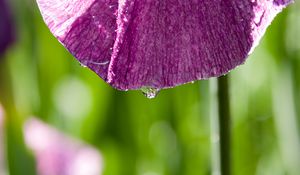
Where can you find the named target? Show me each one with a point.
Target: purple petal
(133, 44)
(6, 29)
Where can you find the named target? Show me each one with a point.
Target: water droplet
(125, 19)
(83, 65)
(150, 92)
(100, 63)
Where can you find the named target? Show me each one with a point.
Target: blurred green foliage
(169, 135)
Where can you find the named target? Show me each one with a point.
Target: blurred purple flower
(6, 27)
(133, 44)
(1, 116)
(58, 154)
(2, 155)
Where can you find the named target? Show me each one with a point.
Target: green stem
(220, 126)
(224, 124)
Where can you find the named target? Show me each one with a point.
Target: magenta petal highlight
(159, 44)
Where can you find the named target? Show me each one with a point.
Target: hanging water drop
(83, 65)
(150, 92)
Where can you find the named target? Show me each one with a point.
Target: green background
(168, 135)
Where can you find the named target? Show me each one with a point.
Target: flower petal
(86, 28)
(159, 43)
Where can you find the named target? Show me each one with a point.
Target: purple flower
(2, 153)
(60, 154)
(6, 28)
(1, 116)
(134, 44)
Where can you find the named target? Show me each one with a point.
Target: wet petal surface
(159, 44)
